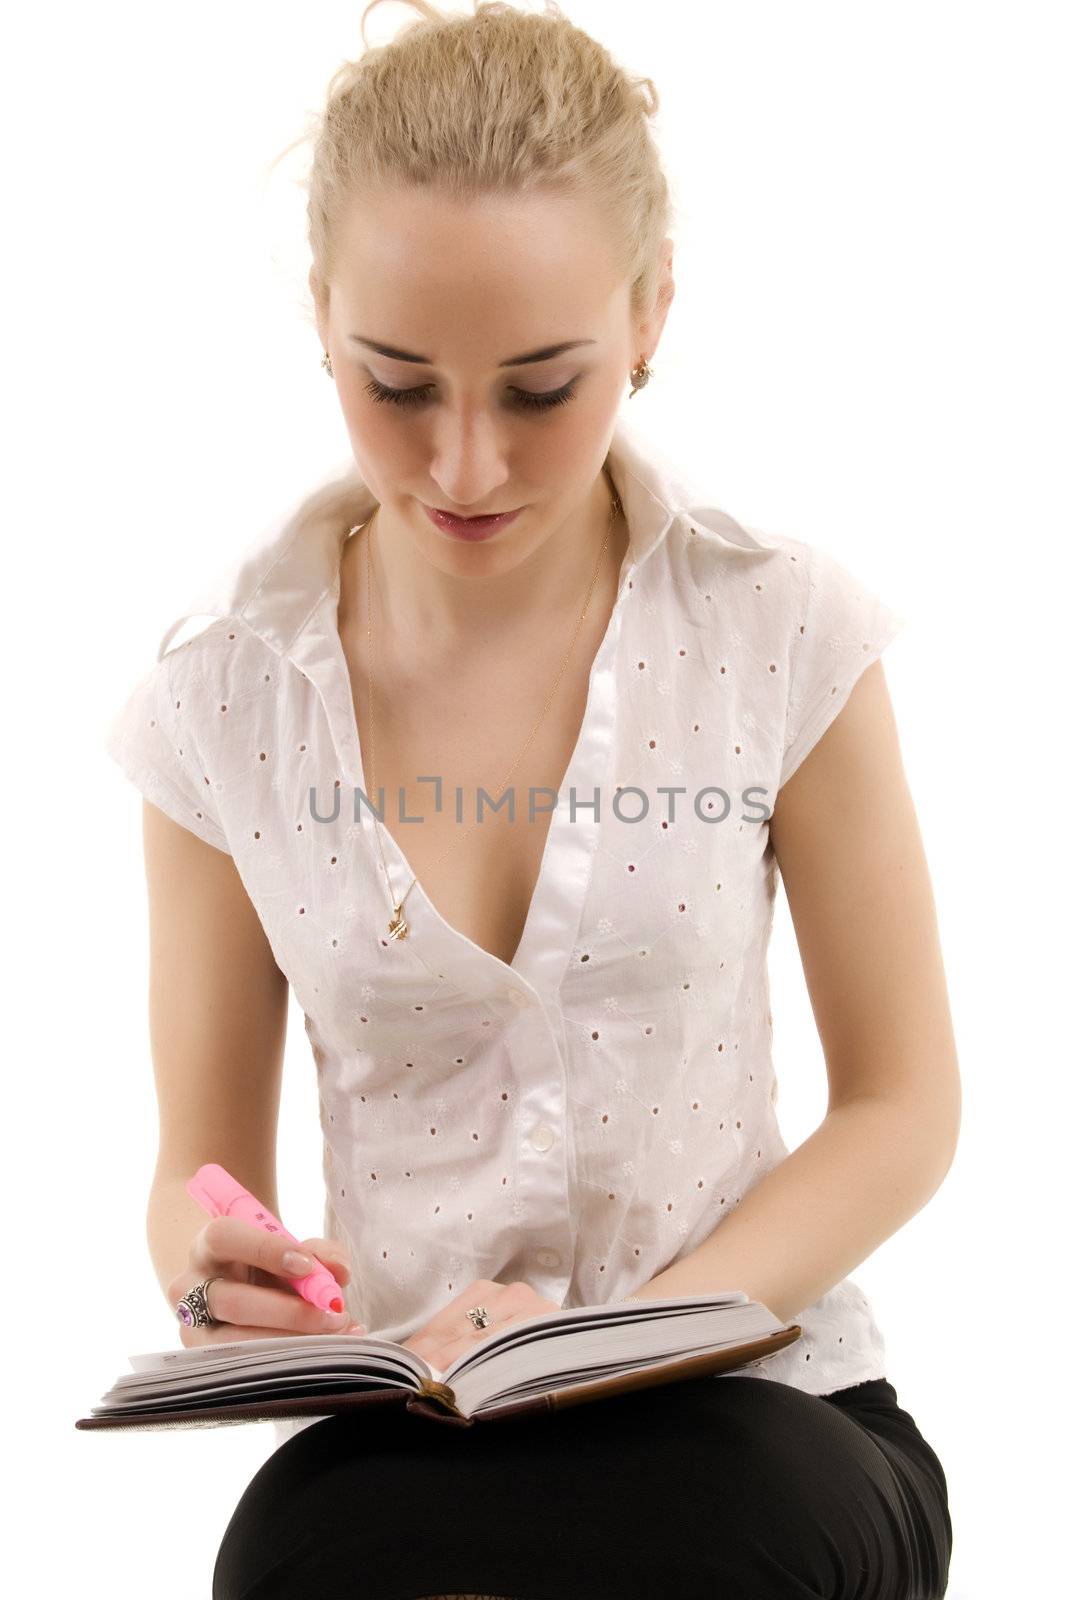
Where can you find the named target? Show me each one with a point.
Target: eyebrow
(545, 354)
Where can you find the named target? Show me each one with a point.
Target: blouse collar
(275, 589)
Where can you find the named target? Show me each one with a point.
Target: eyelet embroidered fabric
(583, 1116)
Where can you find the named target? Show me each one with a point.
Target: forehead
(417, 268)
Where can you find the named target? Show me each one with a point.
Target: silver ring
(193, 1310)
(477, 1315)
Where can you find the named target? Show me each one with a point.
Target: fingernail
(298, 1265)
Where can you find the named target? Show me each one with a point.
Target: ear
(319, 300)
(649, 332)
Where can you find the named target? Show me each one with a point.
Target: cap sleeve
(142, 738)
(843, 629)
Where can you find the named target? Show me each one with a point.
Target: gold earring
(326, 364)
(640, 375)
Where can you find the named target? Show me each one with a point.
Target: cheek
(562, 447)
(377, 432)
(360, 411)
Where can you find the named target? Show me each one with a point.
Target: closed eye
(523, 398)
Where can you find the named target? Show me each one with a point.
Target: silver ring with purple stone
(193, 1310)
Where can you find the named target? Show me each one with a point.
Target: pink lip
(470, 529)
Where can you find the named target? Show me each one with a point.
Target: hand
(248, 1298)
(450, 1333)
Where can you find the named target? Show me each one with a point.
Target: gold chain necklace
(397, 927)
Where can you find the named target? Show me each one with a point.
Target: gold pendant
(397, 927)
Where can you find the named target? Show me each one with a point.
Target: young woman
(541, 1032)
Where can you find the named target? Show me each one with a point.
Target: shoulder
(742, 576)
(710, 532)
(783, 583)
(215, 672)
(215, 650)
(789, 608)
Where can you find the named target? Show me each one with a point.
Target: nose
(470, 464)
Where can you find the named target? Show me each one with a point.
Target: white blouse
(580, 1118)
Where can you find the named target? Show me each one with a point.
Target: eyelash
(524, 399)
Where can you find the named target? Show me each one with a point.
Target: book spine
(441, 1393)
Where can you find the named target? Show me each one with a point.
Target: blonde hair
(500, 102)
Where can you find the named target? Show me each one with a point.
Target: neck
(417, 605)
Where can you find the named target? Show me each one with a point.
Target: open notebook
(540, 1363)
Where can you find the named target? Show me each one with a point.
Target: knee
(780, 1450)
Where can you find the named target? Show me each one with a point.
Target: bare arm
(217, 1026)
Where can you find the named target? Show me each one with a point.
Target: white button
(518, 997)
(543, 1137)
(548, 1258)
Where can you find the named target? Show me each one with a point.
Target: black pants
(718, 1488)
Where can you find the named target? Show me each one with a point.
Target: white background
(869, 350)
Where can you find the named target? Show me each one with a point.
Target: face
(447, 413)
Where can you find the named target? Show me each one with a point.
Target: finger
(333, 1247)
(225, 1240)
(332, 1254)
(248, 1306)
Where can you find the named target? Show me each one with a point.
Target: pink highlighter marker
(223, 1196)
